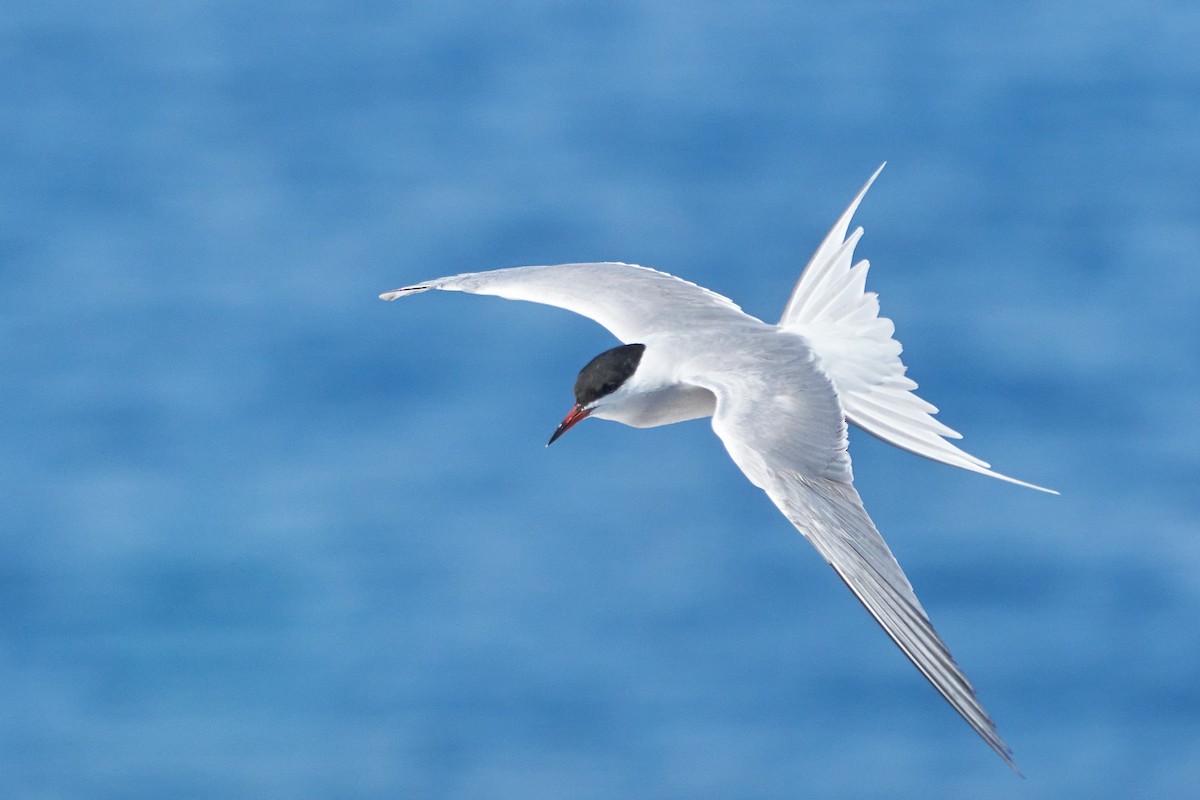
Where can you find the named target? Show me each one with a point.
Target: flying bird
(780, 397)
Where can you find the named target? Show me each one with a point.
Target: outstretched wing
(779, 418)
(630, 301)
(832, 309)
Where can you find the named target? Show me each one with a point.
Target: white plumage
(780, 397)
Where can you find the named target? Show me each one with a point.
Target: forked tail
(831, 307)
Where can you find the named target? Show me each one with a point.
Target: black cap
(605, 373)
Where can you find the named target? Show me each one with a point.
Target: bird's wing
(779, 418)
(832, 309)
(632, 302)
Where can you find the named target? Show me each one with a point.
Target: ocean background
(265, 536)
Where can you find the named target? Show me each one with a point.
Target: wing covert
(632, 302)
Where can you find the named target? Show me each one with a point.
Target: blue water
(267, 537)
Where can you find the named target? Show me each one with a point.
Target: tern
(780, 397)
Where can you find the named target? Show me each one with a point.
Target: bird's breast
(662, 406)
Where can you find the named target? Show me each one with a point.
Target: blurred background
(266, 536)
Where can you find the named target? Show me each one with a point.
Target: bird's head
(598, 381)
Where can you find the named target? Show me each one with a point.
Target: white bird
(779, 397)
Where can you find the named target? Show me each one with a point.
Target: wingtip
(402, 292)
(1005, 752)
